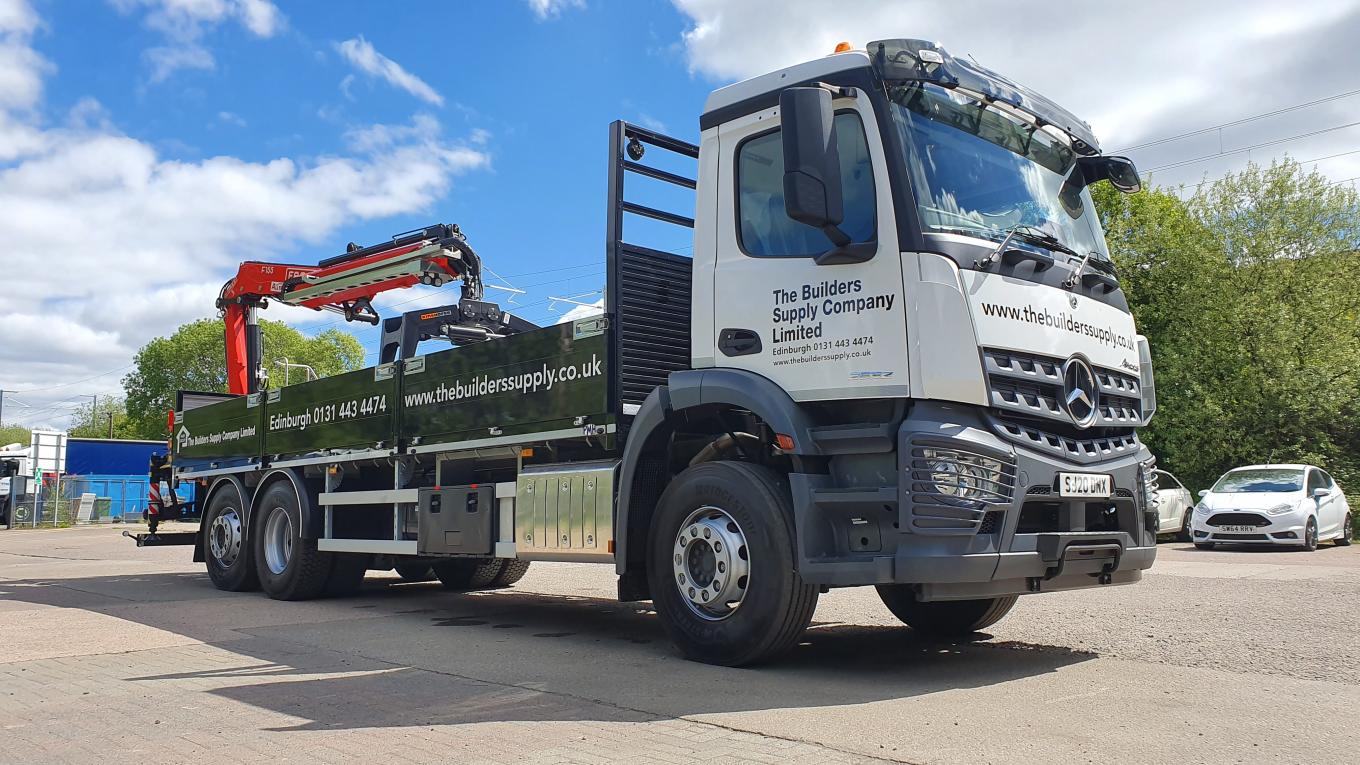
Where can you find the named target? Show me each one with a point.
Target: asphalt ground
(109, 652)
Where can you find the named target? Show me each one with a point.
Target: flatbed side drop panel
(354, 410)
(548, 379)
(225, 434)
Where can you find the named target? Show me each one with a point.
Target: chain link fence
(76, 500)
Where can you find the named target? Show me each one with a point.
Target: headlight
(1201, 509)
(1281, 509)
(963, 476)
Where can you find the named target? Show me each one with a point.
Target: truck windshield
(981, 171)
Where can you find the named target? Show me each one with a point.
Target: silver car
(1175, 505)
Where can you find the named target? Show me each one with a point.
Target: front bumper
(1034, 541)
(1286, 529)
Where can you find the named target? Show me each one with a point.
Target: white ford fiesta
(1296, 505)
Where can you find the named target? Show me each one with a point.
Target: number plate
(1237, 529)
(1084, 485)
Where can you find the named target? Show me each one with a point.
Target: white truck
(899, 356)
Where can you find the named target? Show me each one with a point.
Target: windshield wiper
(1027, 233)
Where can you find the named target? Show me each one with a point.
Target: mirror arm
(836, 235)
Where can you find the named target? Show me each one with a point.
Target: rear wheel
(414, 572)
(946, 618)
(289, 567)
(231, 565)
(513, 571)
(1347, 532)
(721, 565)
(468, 573)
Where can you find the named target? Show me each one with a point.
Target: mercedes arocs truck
(899, 356)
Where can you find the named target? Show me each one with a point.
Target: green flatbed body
(547, 380)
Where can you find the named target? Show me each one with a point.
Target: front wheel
(721, 565)
(1347, 532)
(1310, 535)
(946, 618)
(1187, 533)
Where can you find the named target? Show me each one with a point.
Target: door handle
(738, 342)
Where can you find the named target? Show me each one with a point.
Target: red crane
(345, 284)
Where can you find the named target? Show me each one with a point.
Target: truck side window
(764, 229)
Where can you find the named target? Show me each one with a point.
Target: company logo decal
(1081, 395)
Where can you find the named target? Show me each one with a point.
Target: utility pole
(110, 426)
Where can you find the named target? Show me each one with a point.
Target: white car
(1174, 505)
(1296, 505)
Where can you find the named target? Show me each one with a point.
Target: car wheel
(289, 567)
(948, 618)
(1204, 545)
(1347, 532)
(1310, 535)
(1187, 533)
(721, 565)
(226, 551)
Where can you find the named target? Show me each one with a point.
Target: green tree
(1249, 292)
(15, 434)
(98, 419)
(194, 358)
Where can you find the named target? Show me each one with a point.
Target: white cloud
(21, 68)
(1135, 71)
(107, 244)
(551, 9)
(361, 54)
(231, 118)
(183, 24)
(583, 311)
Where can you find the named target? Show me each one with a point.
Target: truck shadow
(397, 656)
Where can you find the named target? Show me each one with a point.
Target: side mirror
(1119, 171)
(1203, 493)
(812, 163)
(1320, 492)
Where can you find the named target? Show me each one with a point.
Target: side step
(163, 540)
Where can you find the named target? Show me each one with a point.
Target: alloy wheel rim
(278, 540)
(224, 537)
(711, 563)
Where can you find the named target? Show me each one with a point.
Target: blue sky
(148, 146)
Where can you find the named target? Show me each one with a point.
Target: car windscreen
(1260, 480)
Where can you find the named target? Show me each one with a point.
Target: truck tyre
(347, 574)
(511, 571)
(945, 618)
(467, 573)
(414, 572)
(226, 549)
(721, 565)
(290, 567)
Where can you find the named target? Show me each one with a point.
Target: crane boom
(345, 284)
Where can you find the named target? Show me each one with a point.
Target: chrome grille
(950, 490)
(1031, 384)
(1088, 448)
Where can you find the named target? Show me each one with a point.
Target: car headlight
(1201, 509)
(1281, 509)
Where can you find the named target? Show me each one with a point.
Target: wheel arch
(308, 509)
(220, 484)
(647, 457)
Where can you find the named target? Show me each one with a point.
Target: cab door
(819, 331)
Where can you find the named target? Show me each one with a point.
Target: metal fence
(71, 500)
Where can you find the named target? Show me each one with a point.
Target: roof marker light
(842, 47)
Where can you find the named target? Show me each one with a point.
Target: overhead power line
(1275, 142)
(1234, 123)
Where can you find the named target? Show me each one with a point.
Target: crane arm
(345, 284)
